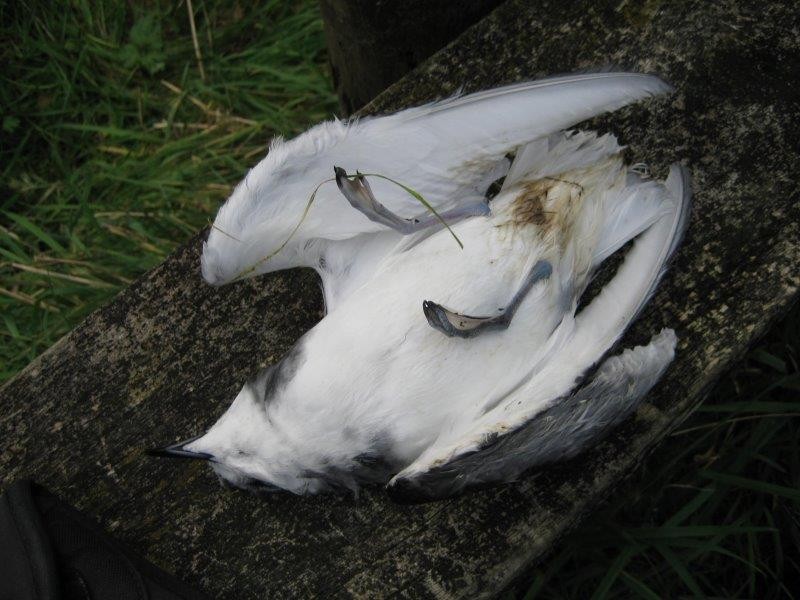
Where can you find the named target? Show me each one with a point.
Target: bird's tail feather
(603, 321)
(622, 299)
(559, 153)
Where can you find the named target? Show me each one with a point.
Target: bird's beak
(178, 451)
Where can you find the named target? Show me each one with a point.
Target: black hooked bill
(178, 451)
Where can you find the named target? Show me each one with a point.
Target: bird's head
(246, 447)
(240, 446)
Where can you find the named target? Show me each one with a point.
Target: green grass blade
(415, 194)
(638, 587)
(753, 484)
(614, 571)
(681, 570)
(36, 231)
(688, 509)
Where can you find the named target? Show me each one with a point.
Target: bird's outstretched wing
(562, 431)
(544, 418)
(448, 151)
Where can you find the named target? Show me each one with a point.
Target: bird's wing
(448, 151)
(569, 426)
(445, 467)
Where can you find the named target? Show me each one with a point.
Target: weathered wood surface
(163, 360)
(373, 43)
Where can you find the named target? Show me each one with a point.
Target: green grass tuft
(114, 148)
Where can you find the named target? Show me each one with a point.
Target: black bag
(50, 551)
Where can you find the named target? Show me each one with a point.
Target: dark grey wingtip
(432, 486)
(178, 451)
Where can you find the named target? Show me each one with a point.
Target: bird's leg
(358, 193)
(455, 324)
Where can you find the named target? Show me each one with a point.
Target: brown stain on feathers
(529, 205)
(545, 202)
(549, 205)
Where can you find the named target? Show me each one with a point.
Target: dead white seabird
(438, 367)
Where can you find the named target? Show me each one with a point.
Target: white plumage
(433, 403)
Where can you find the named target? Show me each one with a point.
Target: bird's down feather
(373, 393)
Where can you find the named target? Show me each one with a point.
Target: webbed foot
(359, 194)
(454, 324)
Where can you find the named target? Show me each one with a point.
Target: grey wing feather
(565, 429)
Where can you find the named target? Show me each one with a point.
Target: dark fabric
(50, 551)
(27, 564)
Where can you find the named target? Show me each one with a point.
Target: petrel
(456, 350)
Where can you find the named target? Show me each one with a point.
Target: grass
(116, 147)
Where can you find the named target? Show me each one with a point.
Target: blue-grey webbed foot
(358, 193)
(454, 324)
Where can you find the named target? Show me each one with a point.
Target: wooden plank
(164, 359)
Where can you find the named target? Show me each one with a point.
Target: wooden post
(372, 44)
